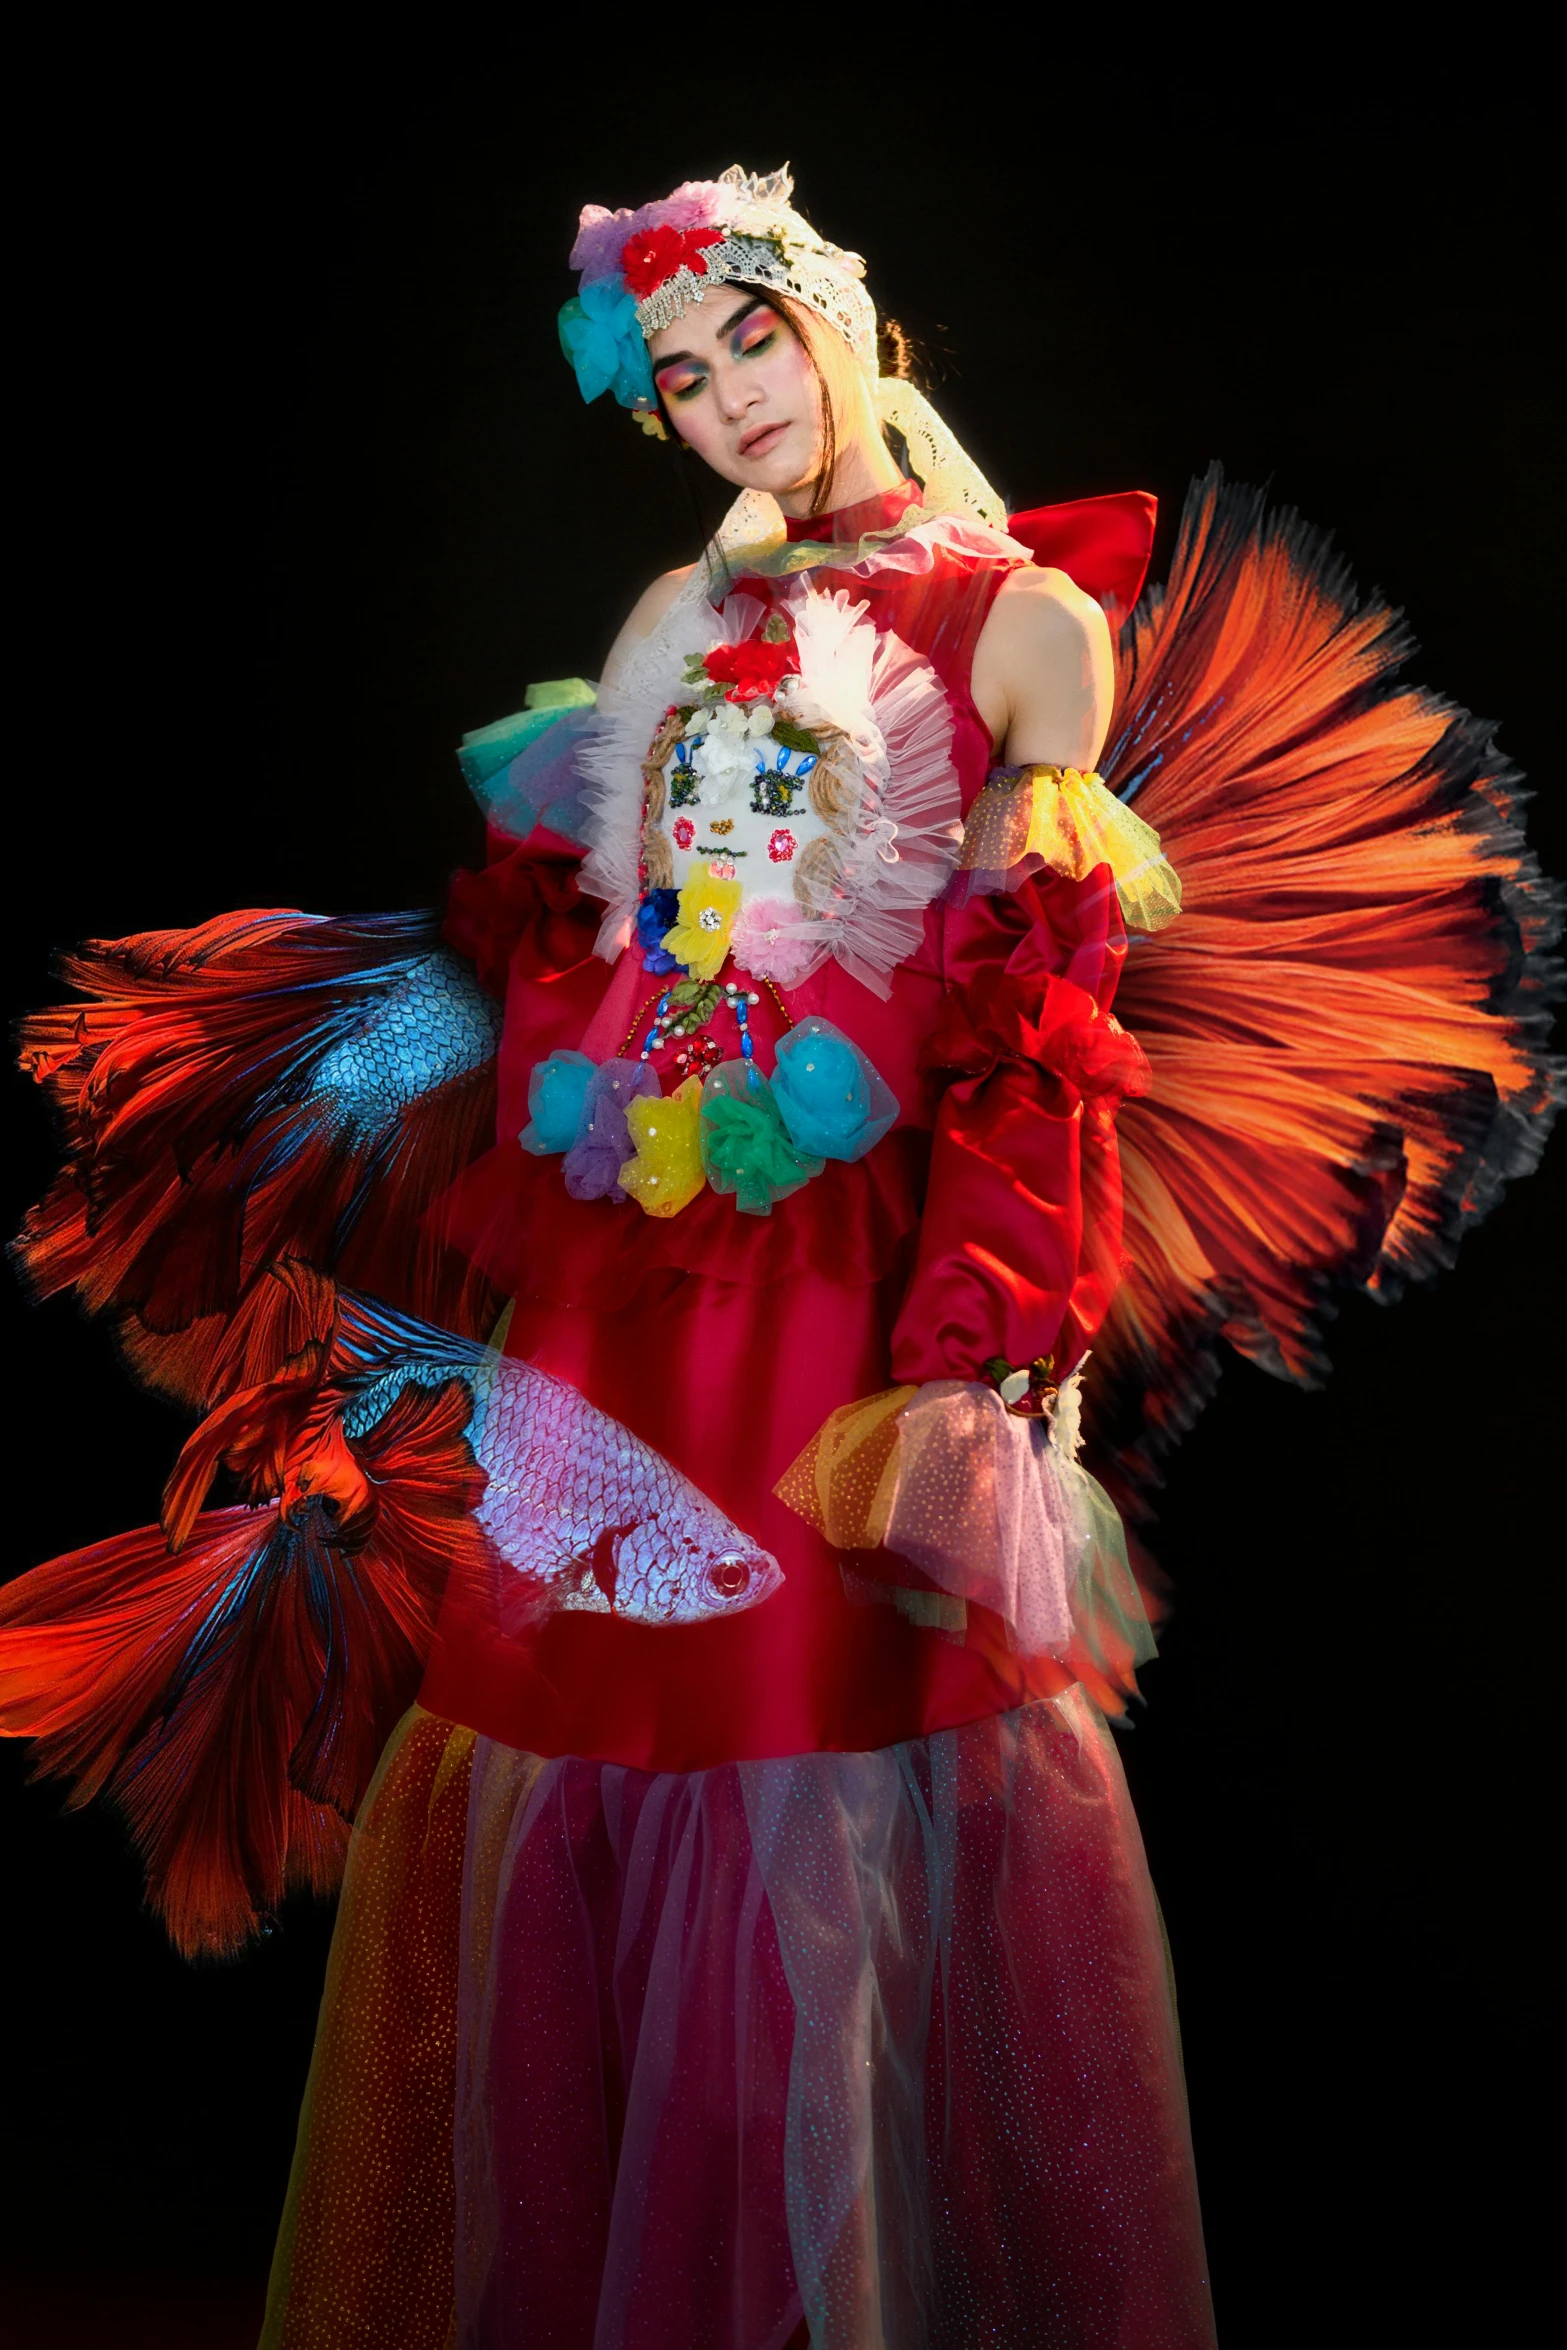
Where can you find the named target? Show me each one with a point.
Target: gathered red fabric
(513, 1215)
(1023, 1010)
(1019, 1251)
(524, 915)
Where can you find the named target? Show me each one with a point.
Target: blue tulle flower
(557, 1089)
(656, 914)
(829, 1096)
(600, 336)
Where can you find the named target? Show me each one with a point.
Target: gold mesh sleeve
(843, 1483)
(1068, 822)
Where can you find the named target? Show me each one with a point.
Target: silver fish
(590, 1517)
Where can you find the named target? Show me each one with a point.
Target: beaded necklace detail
(684, 1009)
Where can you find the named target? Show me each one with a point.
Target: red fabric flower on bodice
(749, 670)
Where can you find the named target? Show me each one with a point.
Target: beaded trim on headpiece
(642, 270)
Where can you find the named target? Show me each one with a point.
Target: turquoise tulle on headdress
(745, 1145)
(600, 336)
(831, 1099)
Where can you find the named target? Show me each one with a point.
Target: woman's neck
(865, 469)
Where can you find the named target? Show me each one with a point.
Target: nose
(737, 392)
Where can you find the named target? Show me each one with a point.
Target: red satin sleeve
(524, 915)
(1020, 1244)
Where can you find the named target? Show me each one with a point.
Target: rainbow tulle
(735, 2051)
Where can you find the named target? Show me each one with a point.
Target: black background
(313, 492)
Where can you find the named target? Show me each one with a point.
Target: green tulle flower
(745, 1144)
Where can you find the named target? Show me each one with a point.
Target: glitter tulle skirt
(866, 2051)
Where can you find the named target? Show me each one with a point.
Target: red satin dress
(874, 1273)
(792, 1979)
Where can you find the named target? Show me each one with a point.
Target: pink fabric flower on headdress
(768, 941)
(602, 236)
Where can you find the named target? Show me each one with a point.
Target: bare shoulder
(645, 615)
(1043, 674)
(1037, 606)
(654, 601)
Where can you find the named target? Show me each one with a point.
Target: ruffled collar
(848, 537)
(847, 525)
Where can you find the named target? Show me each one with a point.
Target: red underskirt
(729, 1382)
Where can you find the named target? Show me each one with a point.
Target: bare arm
(1043, 677)
(644, 617)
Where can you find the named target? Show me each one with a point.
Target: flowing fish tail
(269, 1084)
(1347, 1029)
(232, 1694)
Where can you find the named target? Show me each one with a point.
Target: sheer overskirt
(885, 2040)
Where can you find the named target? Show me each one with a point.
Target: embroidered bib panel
(751, 808)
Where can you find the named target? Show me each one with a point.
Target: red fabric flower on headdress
(651, 259)
(751, 670)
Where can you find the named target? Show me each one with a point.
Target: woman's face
(740, 389)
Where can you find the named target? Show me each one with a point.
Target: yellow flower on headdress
(666, 1174)
(700, 937)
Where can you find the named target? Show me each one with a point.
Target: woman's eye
(683, 386)
(753, 339)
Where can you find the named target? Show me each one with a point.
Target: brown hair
(895, 355)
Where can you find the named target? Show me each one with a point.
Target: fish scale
(433, 1024)
(568, 1489)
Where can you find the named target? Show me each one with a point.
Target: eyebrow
(689, 358)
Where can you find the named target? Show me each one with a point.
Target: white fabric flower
(726, 762)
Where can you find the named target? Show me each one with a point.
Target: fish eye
(729, 1577)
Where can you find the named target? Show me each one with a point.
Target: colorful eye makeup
(681, 379)
(755, 331)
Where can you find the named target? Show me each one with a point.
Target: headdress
(641, 270)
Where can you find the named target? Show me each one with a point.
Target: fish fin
(232, 1697)
(603, 1559)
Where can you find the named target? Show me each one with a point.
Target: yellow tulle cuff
(1068, 822)
(844, 1481)
(666, 1174)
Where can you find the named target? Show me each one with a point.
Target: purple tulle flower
(602, 235)
(593, 1163)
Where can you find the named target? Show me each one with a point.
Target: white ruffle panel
(872, 686)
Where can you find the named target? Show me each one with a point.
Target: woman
(746, 1938)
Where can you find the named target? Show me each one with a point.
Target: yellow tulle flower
(700, 937)
(1070, 822)
(666, 1174)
